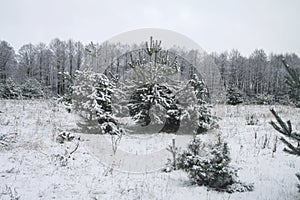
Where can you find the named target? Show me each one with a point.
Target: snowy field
(33, 165)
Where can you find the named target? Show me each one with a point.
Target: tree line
(254, 75)
(258, 74)
(48, 63)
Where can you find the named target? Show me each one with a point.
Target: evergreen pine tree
(196, 112)
(150, 85)
(84, 95)
(156, 96)
(91, 98)
(206, 120)
(32, 89)
(234, 96)
(285, 128)
(209, 166)
(10, 90)
(293, 80)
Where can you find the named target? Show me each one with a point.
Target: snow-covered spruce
(161, 96)
(10, 90)
(91, 98)
(31, 89)
(150, 87)
(187, 107)
(208, 165)
(195, 110)
(155, 95)
(86, 93)
(234, 96)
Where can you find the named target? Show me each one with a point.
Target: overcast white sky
(273, 25)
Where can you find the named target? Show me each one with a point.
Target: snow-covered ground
(33, 165)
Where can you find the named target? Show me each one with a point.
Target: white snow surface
(30, 167)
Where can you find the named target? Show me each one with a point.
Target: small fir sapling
(209, 165)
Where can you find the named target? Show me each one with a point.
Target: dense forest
(257, 76)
